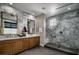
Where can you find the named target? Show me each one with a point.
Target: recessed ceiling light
(11, 3)
(69, 8)
(43, 8)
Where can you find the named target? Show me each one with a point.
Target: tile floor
(42, 51)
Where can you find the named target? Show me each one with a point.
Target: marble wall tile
(66, 32)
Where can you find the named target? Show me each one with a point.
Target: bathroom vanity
(16, 45)
(10, 25)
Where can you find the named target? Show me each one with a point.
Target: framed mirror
(31, 26)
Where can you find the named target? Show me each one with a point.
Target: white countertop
(27, 36)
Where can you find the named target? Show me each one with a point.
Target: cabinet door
(37, 41)
(25, 44)
(34, 41)
(17, 47)
(6, 49)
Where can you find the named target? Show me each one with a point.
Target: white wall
(40, 28)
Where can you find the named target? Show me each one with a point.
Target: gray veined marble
(66, 32)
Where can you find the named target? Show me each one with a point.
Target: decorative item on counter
(24, 31)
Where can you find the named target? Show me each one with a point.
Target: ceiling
(48, 9)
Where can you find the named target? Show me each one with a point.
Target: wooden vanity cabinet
(20, 45)
(34, 42)
(25, 44)
(6, 49)
(15, 46)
